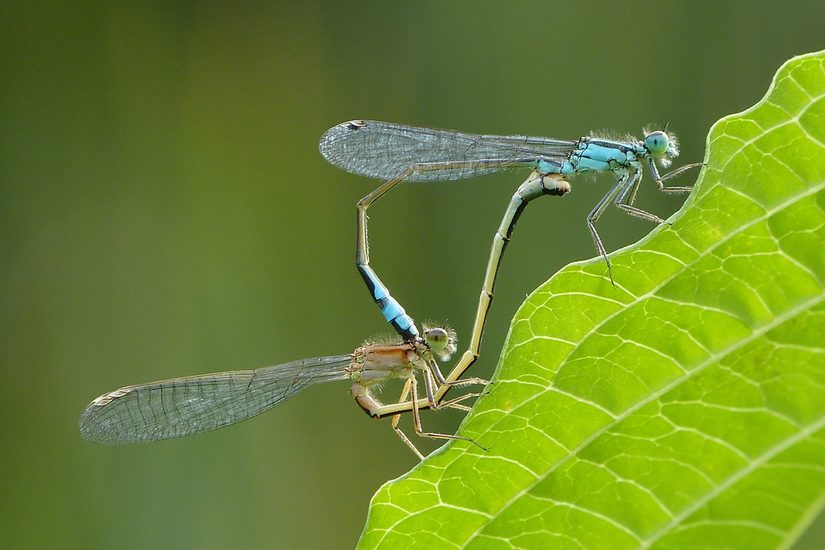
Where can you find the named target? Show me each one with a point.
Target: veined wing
(194, 404)
(384, 150)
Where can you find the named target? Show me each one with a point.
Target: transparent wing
(383, 150)
(193, 404)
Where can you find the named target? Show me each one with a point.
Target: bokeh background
(165, 212)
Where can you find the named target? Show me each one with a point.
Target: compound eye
(437, 338)
(657, 143)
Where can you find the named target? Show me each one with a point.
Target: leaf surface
(684, 408)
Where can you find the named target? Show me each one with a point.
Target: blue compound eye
(657, 143)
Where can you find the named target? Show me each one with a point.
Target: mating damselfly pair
(394, 153)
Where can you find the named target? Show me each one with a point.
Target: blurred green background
(165, 212)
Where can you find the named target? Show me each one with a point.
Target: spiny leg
(596, 213)
(429, 385)
(432, 389)
(455, 383)
(624, 200)
(396, 418)
(417, 420)
(410, 385)
(623, 194)
(381, 410)
(659, 179)
(455, 402)
(630, 191)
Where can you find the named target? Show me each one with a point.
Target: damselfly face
(441, 341)
(662, 146)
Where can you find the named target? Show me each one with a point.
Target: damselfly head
(441, 340)
(662, 146)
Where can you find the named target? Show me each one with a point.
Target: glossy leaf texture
(684, 408)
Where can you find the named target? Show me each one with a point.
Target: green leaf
(686, 407)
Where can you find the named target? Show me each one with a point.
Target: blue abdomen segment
(392, 311)
(549, 166)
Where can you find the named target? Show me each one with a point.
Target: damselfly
(397, 153)
(188, 405)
